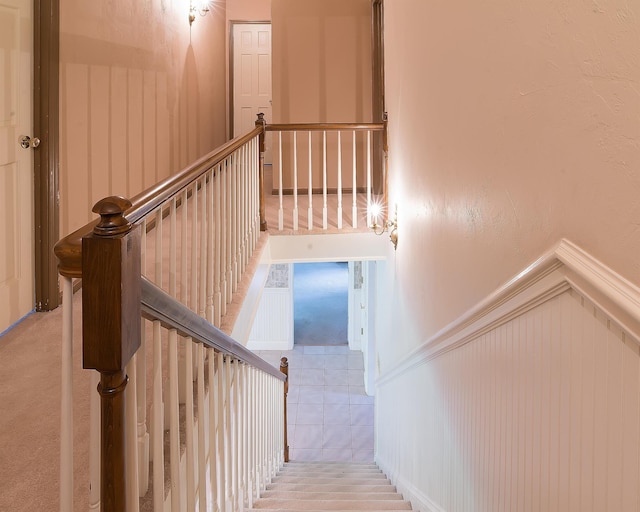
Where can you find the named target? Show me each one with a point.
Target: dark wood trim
(69, 249)
(321, 127)
(158, 305)
(46, 63)
(377, 92)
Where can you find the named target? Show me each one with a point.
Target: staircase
(335, 486)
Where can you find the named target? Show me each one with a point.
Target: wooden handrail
(158, 305)
(320, 127)
(69, 249)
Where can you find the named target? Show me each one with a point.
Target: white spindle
(217, 274)
(220, 423)
(354, 185)
(213, 470)
(158, 251)
(141, 390)
(229, 244)
(94, 442)
(227, 429)
(295, 181)
(251, 437)
(202, 454)
(324, 180)
(223, 236)
(174, 420)
(173, 264)
(189, 425)
(310, 190)
(234, 433)
(369, 220)
(209, 284)
(202, 273)
(193, 251)
(233, 222)
(157, 425)
(339, 182)
(280, 210)
(131, 434)
(66, 405)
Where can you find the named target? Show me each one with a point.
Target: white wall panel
(540, 412)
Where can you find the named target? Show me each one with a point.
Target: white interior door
(16, 163)
(251, 77)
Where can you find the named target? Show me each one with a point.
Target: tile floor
(330, 417)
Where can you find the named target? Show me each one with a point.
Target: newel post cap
(112, 220)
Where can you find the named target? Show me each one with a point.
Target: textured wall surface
(141, 96)
(512, 125)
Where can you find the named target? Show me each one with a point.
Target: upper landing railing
(188, 241)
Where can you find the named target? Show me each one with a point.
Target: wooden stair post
(284, 368)
(111, 311)
(263, 216)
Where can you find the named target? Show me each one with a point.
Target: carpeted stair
(335, 486)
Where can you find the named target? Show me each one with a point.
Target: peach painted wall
(321, 61)
(321, 73)
(248, 10)
(512, 125)
(141, 96)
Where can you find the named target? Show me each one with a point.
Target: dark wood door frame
(377, 92)
(46, 67)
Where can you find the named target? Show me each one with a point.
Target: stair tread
(284, 504)
(328, 480)
(328, 495)
(315, 487)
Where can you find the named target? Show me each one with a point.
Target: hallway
(330, 417)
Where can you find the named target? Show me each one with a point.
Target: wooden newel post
(111, 289)
(284, 368)
(263, 218)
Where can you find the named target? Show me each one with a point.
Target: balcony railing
(186, 410)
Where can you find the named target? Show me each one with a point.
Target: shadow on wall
(320, 303)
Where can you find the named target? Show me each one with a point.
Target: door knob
(27, 142)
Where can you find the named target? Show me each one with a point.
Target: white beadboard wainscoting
(529, 402)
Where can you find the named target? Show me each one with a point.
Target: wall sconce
(388, 225)
(200, 7)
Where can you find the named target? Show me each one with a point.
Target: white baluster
(324, 180)
(202, 274)
(174, 420)
(158, 251)
(354, 185)
(310, 192)
(280, 210)
(369, 220)
(339, 181)
(173, 291)
(157, 425)
(211, 313)
(233, 222)
(213, 471)
(295, 181)
(202, 455)
(193, 247)
(95, 418)
(141, 390)
(223, 234)
(190, 456)
(227, 431)
(66, 405)
(131, 434)
(229, 241)
(220, 428)
(217, 279)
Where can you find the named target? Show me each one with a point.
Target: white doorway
(16, 163)
(251, 77)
